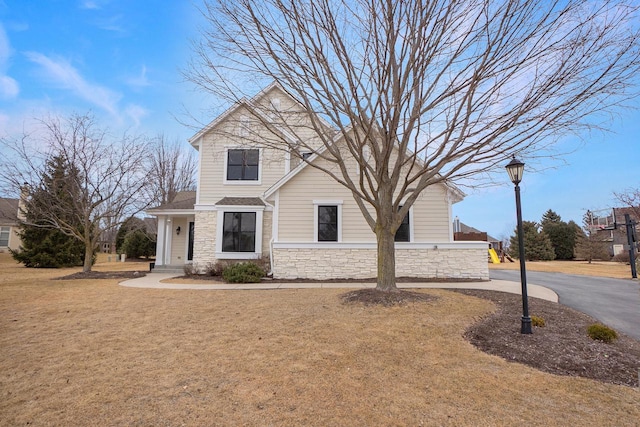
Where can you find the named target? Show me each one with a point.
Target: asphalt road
(614, 302)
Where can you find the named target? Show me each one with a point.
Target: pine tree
(537, 246)
(130, 224)
(42, 245)
(561, 234)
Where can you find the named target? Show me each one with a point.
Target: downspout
(273, 219)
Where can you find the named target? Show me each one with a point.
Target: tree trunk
(386, 260)
(88, 257)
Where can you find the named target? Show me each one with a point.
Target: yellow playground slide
(494, 256)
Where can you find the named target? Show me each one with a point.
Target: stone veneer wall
(323, 264)
(267, 232)
(204, 243)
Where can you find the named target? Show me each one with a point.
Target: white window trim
(242, 182)
(258, 210)
(317, 203)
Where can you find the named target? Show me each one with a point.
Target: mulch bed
(371, 296)
(208, 277)
(104, 275)
(561, 347)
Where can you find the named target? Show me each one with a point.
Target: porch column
(160, 243)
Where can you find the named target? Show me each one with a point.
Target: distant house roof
(8, 211)
(184, 200)
(240, 201)
(464, 228)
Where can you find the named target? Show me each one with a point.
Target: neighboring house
(9, 238)
(255, 201)
(464, 232)
(613, 229)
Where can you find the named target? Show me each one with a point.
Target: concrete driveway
(614, 302)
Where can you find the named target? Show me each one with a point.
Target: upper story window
(243, 164)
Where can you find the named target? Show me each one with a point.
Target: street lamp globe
(515, 168)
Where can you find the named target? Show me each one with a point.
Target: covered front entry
(175, 240)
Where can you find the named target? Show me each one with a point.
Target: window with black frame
(239, 232)
(243, 164)
(403, 232)
(327, 223)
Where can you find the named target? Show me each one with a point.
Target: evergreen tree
(138, 243)
(130, 224)
(537, 246)
(561, 234)
(42, 245)
(590, 245)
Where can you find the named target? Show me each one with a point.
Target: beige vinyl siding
(212, 176)
(431, 215)
(296, 208)
(179, 242)
(248, 132)
(296, 211)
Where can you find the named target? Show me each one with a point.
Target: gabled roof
(241, 102)
(184, 200)
(8, 211)
(459, 194)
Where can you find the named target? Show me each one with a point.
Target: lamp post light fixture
(515, 168)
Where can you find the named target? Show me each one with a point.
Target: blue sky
(121, 60)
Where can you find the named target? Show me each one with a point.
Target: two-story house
(9, 211)
(254, 200)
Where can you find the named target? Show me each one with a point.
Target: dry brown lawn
(616, 270)
(80, 352)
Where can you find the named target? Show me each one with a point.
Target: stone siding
(324, 264)
(204, 244)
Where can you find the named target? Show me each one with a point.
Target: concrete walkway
(163, 281)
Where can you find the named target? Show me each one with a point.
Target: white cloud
(9, 87)
(60, 72)
(90, 4)
(136, 113)
(140, 80)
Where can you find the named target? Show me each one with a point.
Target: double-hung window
(4, 236)
(243, 164)
(239, 232)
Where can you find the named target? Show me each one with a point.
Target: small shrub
(244, 272)
(190, 269)
(215, 269)
(622, 257)
(537, 321)
(601, 333)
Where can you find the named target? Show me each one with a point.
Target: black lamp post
(515, 168)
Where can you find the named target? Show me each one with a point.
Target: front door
(190, 243)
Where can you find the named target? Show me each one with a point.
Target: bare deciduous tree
(591, 244)
(108, 177)
(630, 198)
(171, 170)
(416, 93)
